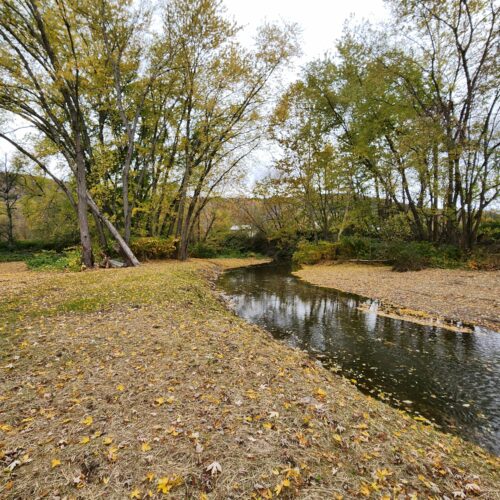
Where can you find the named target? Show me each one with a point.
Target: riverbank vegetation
(114, 385)
(138, 121)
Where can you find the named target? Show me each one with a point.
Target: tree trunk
(124, 249)
(82, 207)
(10, 226)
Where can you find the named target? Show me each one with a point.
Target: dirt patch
(445, 296)
(137, 383)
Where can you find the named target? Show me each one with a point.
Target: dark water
(452, 379)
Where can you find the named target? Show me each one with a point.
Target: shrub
(395, 228)
(489, 231)
(50, 260)
(360, 247)
(417, 255)
(311, 253)
(204, 250)
(153, 248)
(408, 258)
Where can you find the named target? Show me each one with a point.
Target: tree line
(398, 129)
(137, 115)
(141, 116)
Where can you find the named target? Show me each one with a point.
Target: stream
(449, 378)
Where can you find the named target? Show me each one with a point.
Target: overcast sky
(321, 20)
(322, 23)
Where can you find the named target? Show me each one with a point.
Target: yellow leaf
(121, 387)
(85, 440)
(284, 484)
(365, 490)
(88, 420)
(55, 463)
(267, 425)
(149, 477)
(164, 485)
(170, 400)
(145, 447)
(382, 473)
(320, 393)
(337, 438)
(159, 401)
(112, 454)
(136, 493)
(107, 440)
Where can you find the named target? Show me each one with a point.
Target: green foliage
(405, 256)
(50, 260)
(417, 255)
(312, 253)
(232, 244)
(489, 231)
(14, 255)
(204, 250)
(395, 227)
(149, 248)
(486, 258)
(26, 249)
(361, 247)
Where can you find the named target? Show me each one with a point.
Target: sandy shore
(445, 295)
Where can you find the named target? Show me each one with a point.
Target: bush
(410, 258)
(311, 253)
(30, 246)
(489, 231)
(360, 247)
(153, 248)
(232, 244)
(204, 250)
(417, 255)
(50, 260)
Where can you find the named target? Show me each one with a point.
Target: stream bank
(137, 381)
(456, 298)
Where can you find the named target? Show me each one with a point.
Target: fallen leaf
(214, 468)
(88, 420)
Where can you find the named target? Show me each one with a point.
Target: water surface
(452, 379)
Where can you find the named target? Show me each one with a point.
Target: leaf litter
(139, 383)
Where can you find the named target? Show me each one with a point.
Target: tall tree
(10, 194)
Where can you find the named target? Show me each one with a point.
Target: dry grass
(444, 296)
(130, 383)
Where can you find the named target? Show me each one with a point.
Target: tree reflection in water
(450, 378)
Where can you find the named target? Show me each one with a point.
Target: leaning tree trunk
(125, 250)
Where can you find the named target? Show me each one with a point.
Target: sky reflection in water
(450, 378)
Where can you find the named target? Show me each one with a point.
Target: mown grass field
(139, 383)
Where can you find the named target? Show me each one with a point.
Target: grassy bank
(138, 382)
